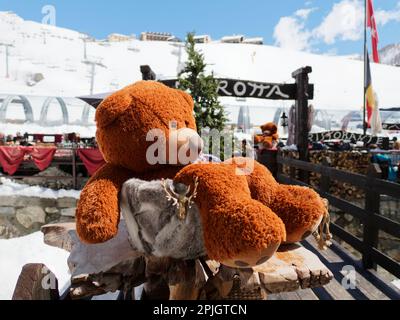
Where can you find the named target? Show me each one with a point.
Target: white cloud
(290, 33)
(383, 17)
(344, 22)
(304, 13)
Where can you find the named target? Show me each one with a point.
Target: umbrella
(95, 99)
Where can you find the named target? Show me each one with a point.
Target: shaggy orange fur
(239, 213)
(300, 208)
(270, 138)
(232, 221)
(123, 121)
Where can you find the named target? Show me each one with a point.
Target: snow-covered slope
(15, 253)
(58, 54)
(10, 188)
(390, 54)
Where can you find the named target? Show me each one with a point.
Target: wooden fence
(369, 216)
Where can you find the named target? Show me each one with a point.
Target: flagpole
(365, 66)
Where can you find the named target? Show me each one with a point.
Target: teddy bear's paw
(95, 233)
(301, 210)
(252, 258)
(242, 233)
(303, 232)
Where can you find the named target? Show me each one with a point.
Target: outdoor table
(91, 158)
(11, 157)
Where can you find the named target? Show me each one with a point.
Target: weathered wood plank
(307, 294)
(290, 296)
(274, 296)
(36, 282)
(364, 286)
(57, 235)
(335, 289)
(368, 289)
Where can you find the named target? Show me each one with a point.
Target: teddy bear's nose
(189, 145)
(186, 135)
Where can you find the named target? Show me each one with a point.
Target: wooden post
(372, 205)
(36, 282)
(268, 159)
(74, 181)
(292, 170)
(301, 123)
(325, 181)
(279, 166)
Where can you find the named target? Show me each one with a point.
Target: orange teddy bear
(245, 213)
(269, 137)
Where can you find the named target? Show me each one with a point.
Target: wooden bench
(115, 265)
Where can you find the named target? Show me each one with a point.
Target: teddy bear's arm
(258, 139)
(97, 214)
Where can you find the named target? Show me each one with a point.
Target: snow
(390, 54)
(11, 188)
(15, 253)
(42, 49)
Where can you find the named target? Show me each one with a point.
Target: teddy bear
(245, 214)
(269, 137)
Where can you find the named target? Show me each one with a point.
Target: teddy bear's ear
(188, 98)
(112, 107)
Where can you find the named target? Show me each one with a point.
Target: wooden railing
(369, 216)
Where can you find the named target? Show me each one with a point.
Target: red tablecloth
(92, 159)
(11, 157)
(42, 157)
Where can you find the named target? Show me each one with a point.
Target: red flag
(374, 31)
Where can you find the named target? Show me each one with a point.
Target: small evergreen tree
(203, 88)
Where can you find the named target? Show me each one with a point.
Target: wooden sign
(252, 89)
(343, 135)
(391, 126)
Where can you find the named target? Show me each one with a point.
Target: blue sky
(323, 26)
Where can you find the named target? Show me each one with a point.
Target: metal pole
(7, 68)
(92, 79)
(365, 68)
(93, 65)
(84, 49)
(7, 49)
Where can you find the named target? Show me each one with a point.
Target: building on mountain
(116, 37)
(205, 38)
(233, 39)
(257, 40)
(242, 39)
(158, 36)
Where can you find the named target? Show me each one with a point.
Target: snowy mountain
(390, 54)
(50, 61)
